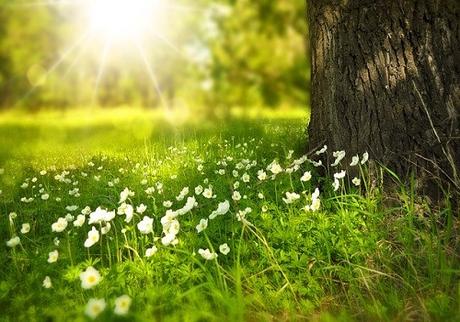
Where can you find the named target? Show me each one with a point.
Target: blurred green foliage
(213, 54)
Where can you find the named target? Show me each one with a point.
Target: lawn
(133, 215)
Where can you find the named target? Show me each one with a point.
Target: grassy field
(131, 215)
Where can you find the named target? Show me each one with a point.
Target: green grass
(364, 255)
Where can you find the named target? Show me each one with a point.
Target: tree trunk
(385, 79)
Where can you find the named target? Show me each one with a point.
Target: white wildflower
(79, 221)
(356, 181)
(338, 155)
(90, 278)
(306, 176)
(207, 254)
(125, 194)
(291, 197)
(25, 228)
(365, 158)
(94, 307)
(354, 160)
(146, 225)
(13, 242)
(122, 305)
(53, 256)
(224, 249)
(141, 209)
(236, 195)
(47, 282)
(59, 225)
(340, 175)
(93, 237)
(323, 150)
(151, 251)
(202, 225)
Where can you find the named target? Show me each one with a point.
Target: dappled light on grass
(229, 217)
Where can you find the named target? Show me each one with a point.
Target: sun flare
(123, 19)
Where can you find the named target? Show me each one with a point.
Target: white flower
(25, 228)
(79, 221)
(122, 305)
(43, 172)
(100, 215)
(207, 193)
(340, 175)
(338, 155)
(125, 194)
(235, 173)
(167, 204)
(12, 216)
(146, 225)
(356, 181)
(56, 241)
(71, 208)
(53, 256)
(191, 202)
(323, 149)
(59, 225)
(200, 167)
(86, 211)
(171, 227)
(245, 178)
(236, 185)
(198, 190)
(202, 225)
(45, 196)
(106, 228)
(336, 184)
(24, 185)
(241, 215)
(47, 282)
(306, 176)
(354, 161)
(90, 278)
(183, 194)
(260, 195)
(13, 242)
(169, 239)
(315, 201)
(93, 237)
(221, 210)
(150, 190)
(141, 208)
(275, 168)
(365, 157)
(95, 307)
(261, 175)
(291, 197)
(224, 249)
(69, 217)
(151, 251)
(207, 254)
(236, 195)
(316, 164)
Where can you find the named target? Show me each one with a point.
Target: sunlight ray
(63, 57)
(168, 43)
(151, 74)
(100, 73)
(79, 54)
(45, 3)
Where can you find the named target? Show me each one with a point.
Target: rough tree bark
(386, 79)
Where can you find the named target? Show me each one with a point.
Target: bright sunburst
(124, 19)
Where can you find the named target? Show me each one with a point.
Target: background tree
(386, 79)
